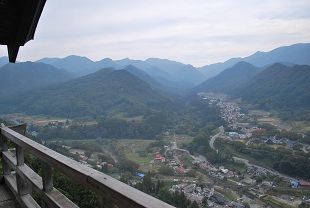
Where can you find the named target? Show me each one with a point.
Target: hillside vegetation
(106, 92)
(281, 88)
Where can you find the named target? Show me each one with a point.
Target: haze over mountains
(102, 87)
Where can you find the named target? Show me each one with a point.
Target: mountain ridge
(106, 91)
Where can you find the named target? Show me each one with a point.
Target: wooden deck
(7, 199)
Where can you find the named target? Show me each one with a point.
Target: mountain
(48, 60)
(179, 72)
(145, 77)
(279, 87)
(296, 54)
(229, 79)
(105, 92)
(27, 75)
(170, 70)
(76, 64)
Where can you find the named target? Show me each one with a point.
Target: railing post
(47, 179)
(4, 147)
(22, 187)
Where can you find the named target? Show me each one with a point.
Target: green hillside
(281, 88)
(229, 79)
(27, 75)
(105, 92)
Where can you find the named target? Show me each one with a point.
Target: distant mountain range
(294, 54)
(134, 87)
(179, 72)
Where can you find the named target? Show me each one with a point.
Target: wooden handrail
(105, 186)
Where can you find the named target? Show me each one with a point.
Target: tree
(204, 202)
(88, 153)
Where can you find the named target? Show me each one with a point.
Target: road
(175, 146)
(216, 136)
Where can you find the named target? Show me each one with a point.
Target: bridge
(18, 181)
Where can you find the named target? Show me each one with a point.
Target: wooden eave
(18, 22)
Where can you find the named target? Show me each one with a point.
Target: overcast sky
(197, 32)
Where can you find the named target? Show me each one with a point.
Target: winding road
(211, 143)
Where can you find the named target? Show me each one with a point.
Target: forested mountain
(106, 91)
(145, 77)
(229, 79)
(297, 54)
(279, 87)
(27, 75)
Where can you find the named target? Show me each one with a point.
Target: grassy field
(277, 203)
(40, 120)
(180, 138)
(132, 151)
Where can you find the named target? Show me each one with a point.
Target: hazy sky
(197, 32)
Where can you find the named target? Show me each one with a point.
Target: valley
(165, 159)
(240, 138)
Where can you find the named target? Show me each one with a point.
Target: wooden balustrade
(22, 180)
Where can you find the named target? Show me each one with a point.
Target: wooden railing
(22, 180)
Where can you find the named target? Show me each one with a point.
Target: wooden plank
(10, 159)
(121, 194)
(54, 198)
(31, 177)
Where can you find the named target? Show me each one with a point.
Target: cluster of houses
(221, 172)
(196, 193)
(284, 141)
(230, 112)
(257, 171)
(192, 191)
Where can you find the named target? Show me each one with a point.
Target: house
(196, 198)
(181, 170)
(304, 183)
(159, 158)
(267, 184)
(208, 192)
(233, 204)
(141, 175)
(219, 199)
(269, 141)
(189, 188)
(287, 142)
(84, 157)
(294, 184)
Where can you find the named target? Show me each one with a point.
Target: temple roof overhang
(18, 22)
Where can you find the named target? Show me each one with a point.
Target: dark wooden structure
(18, 22)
